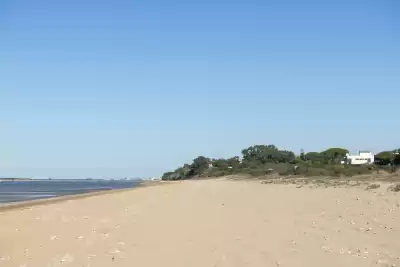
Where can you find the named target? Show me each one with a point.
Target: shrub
(317, 172)
(214, 172)
(356, 170)
(257, 172)
(373, 186)
(394, 188)
(338, 170)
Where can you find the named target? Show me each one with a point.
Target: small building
(363, 157)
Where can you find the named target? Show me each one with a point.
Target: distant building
(363, 157)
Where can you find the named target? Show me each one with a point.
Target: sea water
(12, 191)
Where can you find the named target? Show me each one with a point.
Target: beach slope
(208, 223)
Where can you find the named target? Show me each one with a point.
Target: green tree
(234, 162)
(167, 175)
(302, 155)
(396, 159)
(269, 153)
(199, 165)
(221, 164)
(314, 157)
(334, 155)
(385, 155)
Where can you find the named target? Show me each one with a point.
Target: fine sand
(208, 223)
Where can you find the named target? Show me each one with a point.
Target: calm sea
(11, 191)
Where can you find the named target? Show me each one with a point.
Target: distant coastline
(15, 179)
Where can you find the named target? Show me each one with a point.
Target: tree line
(258, 160)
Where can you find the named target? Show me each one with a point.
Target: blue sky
(134, 88)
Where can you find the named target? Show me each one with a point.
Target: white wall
(361, 159)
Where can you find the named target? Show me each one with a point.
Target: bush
(218, 174)
(317, 172)
(394, 188)
(257, 172)
(373, 186)
(356, 170)
(281, 168)
(338, 170)
(214, 172)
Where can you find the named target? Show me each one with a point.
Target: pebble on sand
(67, 258)
(54, 237)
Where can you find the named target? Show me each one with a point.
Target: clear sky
(94, 88)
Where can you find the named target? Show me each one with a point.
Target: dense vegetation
(260, 160)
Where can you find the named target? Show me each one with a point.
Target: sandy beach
(208, 223)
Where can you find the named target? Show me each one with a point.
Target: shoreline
(328, 182)
(52, 200)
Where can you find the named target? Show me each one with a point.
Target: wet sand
(208, 223)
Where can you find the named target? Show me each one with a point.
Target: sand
(208, 223)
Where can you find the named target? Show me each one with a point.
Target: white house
(363, 157)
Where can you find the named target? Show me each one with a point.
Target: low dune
(208, 223)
